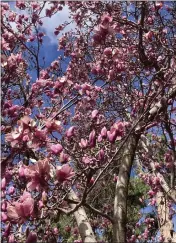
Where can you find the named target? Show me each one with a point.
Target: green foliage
(136, 199)
(61, 223)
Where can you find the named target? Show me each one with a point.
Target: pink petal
(4, 217)
(56, 148)
(32, 238)
(28, 207)
(11, 213)
(94, 114)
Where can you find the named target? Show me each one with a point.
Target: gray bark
(165, 223)
(85, 229)
(121, 191)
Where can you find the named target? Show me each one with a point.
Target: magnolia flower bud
(92, 180)
(111, 136)
(84, 143)
(115, 178)
(32, 238)
(70, 132)
(101, 155)
(107, 51)
(94, 114)
(3, 205)
(41, 205)
(92, 139)
(104, 132)
(3, 217)
(3, 183)
(99, 139)
(151, 193)
(11, 190)
(87, 160)
(63, 158)
(44, 197)
(55, 231)
(21, 171)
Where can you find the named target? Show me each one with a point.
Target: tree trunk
(174, 237)
(165, 223)
(85, 229)
(121, 191)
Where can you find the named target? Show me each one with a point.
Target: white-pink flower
(56, 148)
(64, 173)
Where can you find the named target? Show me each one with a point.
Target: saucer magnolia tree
(72, 136)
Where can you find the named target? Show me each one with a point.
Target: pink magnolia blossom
(44, 197)
(151, 193)
(4, 217)
(21, 171)
(111, 136)
(115, 178)
(3, 205)
(63, 158)
(55, 231)
(26, 120)
(111, 75)
(92, 139)
(99, 139)
(53, 125)
(107, 51)
(11, 190)
(101, 155)
(56, 148)
(104, 132)
(64, 173)
(41, 134)
(20, 4)
(149, 35)
(3, 183)
(86, 86)
(11, 238)
(106, 19)
(32, 238)
(87, 160)
(92, 180)
(119, 127)
(40, 204)
(22, 133)
(38, 175)
(5, 6)
(70, 132)
(84, 143)
(4, 45)
(22, 209)
(153, 202)
(94, 114)
(159, 5)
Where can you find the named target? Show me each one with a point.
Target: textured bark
(174, 237)
(165, 223)
(121, 191)
(82, 220)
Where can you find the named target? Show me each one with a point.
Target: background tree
(104, 110)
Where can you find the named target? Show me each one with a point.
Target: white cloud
(49, 24)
